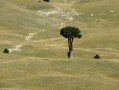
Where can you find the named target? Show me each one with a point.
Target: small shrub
(6, 50)
(46, 0)
(97, 56)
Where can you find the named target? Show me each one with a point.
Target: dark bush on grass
(46, 0)
(97, 56)
(6, 50)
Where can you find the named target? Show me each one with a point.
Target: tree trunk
(70, 53)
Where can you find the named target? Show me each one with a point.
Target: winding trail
(27, 39)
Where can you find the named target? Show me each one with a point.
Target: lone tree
(70, 33)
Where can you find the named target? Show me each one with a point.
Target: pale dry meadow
(38, 53)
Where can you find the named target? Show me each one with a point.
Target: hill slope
(37, 59)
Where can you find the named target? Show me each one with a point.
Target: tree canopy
(70, 32)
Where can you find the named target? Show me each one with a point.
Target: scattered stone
(112, 11)
(58, 13)
(26, 64)
(92, 15)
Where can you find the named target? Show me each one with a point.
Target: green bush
(6, 50)
(46, 0)
(97, 56)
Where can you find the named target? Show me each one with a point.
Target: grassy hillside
(38, 53)
(39, 74)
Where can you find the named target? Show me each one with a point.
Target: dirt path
(27, 39)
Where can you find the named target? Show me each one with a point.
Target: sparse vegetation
(41, 63)
(70, 33)
(6, 50)
(97, 56)
(46, 0)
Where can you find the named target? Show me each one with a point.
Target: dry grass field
(38, 53)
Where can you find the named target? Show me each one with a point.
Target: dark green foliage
(46, 0)
(6, 50)
(96, 56)
(70, 32)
